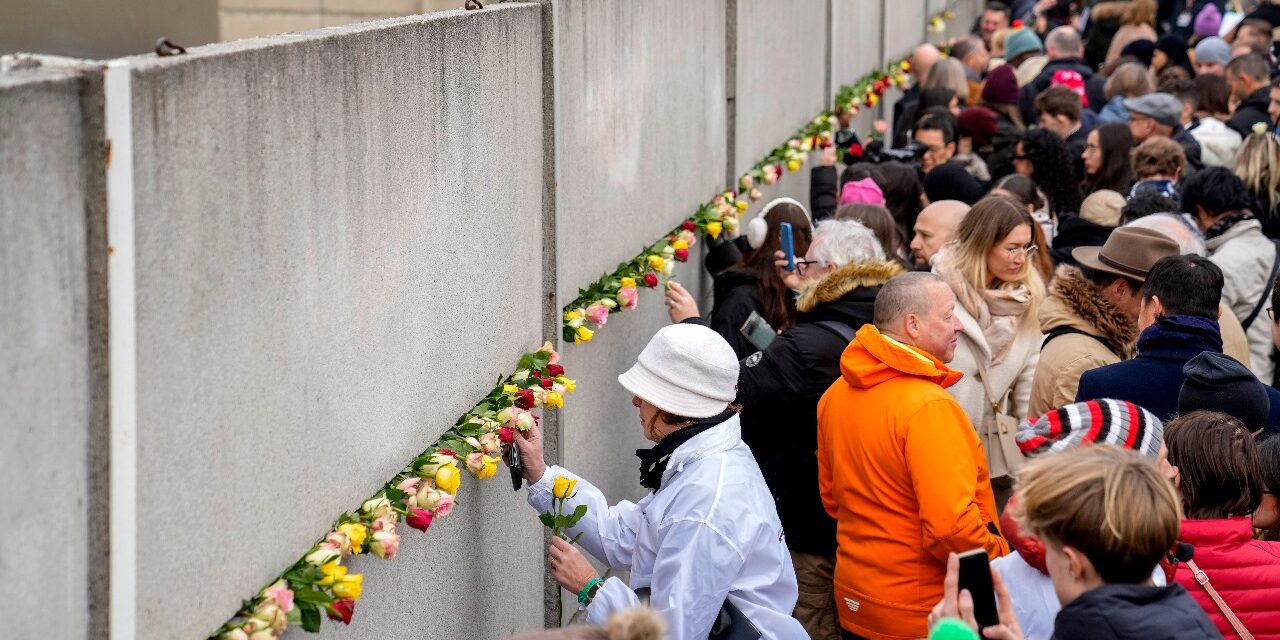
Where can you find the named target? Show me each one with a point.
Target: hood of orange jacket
(873, 358)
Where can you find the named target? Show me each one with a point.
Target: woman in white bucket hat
(706, 541)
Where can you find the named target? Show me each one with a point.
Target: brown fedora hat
(1128, 252)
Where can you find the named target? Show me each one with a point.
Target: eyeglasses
(1027, 251)
(803, 265)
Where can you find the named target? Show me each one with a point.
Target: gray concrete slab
(45, 378)
(856, 46)
(780, 73)
(640, 126)
(904, 27)
(338, 252)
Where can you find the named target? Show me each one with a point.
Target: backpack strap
(1266, 293)
(1065, 330)
(842, 330)
(1203, 579)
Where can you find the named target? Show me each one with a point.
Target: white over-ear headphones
(758, 228)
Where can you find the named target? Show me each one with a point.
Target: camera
(876, 153)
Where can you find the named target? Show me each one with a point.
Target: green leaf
(568, 334)
(312, 596)
(310, 618)
(394, 494)
(579, 513)
(547, 519)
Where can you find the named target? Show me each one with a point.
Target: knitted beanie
(1114, 422)
(1208, 21)
(978, 123)
(1218, 382)
(1021, 41)
(1001, 86)
(864, 191)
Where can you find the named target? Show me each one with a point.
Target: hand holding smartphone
(788, 244)
(975, 577)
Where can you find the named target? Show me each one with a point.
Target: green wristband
(582, 595)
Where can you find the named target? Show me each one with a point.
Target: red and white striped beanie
(1114, 422)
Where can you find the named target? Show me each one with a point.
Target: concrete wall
(46, 382)
(310, 212)
(780, 73)
(104, 28)
(249, 18)
(904, 26)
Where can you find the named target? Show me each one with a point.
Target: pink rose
(282, 594)
(385, 544)
(628, 297)
(475, 462)
(490, 443)
(598, 314)
(444, 507)
(409, 485)
(419, 519)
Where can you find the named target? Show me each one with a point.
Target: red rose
(524, 399)
(506, 435)
(547, 383)
(689, 225)
(448, 452)
(855, 151)
(650, 280)
(555, 370)
(342, 610)
(419, 519)
(682, 255)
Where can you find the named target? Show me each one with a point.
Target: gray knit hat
(1114, 422)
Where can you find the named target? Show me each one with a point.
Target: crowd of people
(1050, 337)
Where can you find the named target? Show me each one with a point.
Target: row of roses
(619, 290)
(318, 584)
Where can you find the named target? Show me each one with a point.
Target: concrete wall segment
(780, 73)
(46, 379)
(338, 252)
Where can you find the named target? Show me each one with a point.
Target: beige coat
(1246, 256)
(1077, 303)
(1127, 34)
(1012, 377)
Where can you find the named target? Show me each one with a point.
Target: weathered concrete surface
(104, 28)
(45, 374)
(780, 73)
(904, 26)
(640, 125)
(856, 46)
(337, 254)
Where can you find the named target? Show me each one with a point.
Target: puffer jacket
(779, 389)
(1218, 143)
(1245, 573)
(1133, 612)
(1246, 256)
(1108, 337)
(902, 471)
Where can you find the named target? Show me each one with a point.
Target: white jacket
(1245, 257)
(1218, 142)
(1014, 374)
(712, 531)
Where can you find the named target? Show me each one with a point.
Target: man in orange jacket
(899, 466)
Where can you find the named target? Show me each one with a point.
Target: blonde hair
(987, 224)
(1255, 164)
(949, 73)
(997, 40)
(1130, 80)
(1140, 12)
(1110, 504)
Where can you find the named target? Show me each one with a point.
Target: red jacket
(1245, 573)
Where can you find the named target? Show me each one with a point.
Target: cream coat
(1013, 375)
(1245, 257)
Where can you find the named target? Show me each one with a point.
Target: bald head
(934, 227)
(922, 60)
(1172, 225)
(1064, 42)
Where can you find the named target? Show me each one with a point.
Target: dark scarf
(1220, 227)
(1191, 332)
(653, 462)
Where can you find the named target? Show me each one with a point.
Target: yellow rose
(510, 388)
(489, 469)
(629, 282)
(679, 244)
(569, 383)
(562, 488)
(656, 262)
(356, 533)
(554, 400)
(583, 334)
(349, 586)
(448, 479)
(793, 166)
(714, 228)
(741, 205)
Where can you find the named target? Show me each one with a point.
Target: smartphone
(975, 575)
(758, 331)
(788, 245)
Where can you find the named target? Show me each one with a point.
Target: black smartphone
(975, 575)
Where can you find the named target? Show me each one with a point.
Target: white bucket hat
(687, 370)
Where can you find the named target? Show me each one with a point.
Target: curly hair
(1052, 170)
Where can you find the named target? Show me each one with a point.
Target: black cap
(1217, 382)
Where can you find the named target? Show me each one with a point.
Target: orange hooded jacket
(903, 473)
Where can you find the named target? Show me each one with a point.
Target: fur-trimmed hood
(1105, 11)
(842, 281)
(1077, 303)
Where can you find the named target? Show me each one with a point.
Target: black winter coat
(1252, 111)
(824, 196)
(1190, 147)
(1094, 85)
(779, 389)
(1133, 612)
(735, 294)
